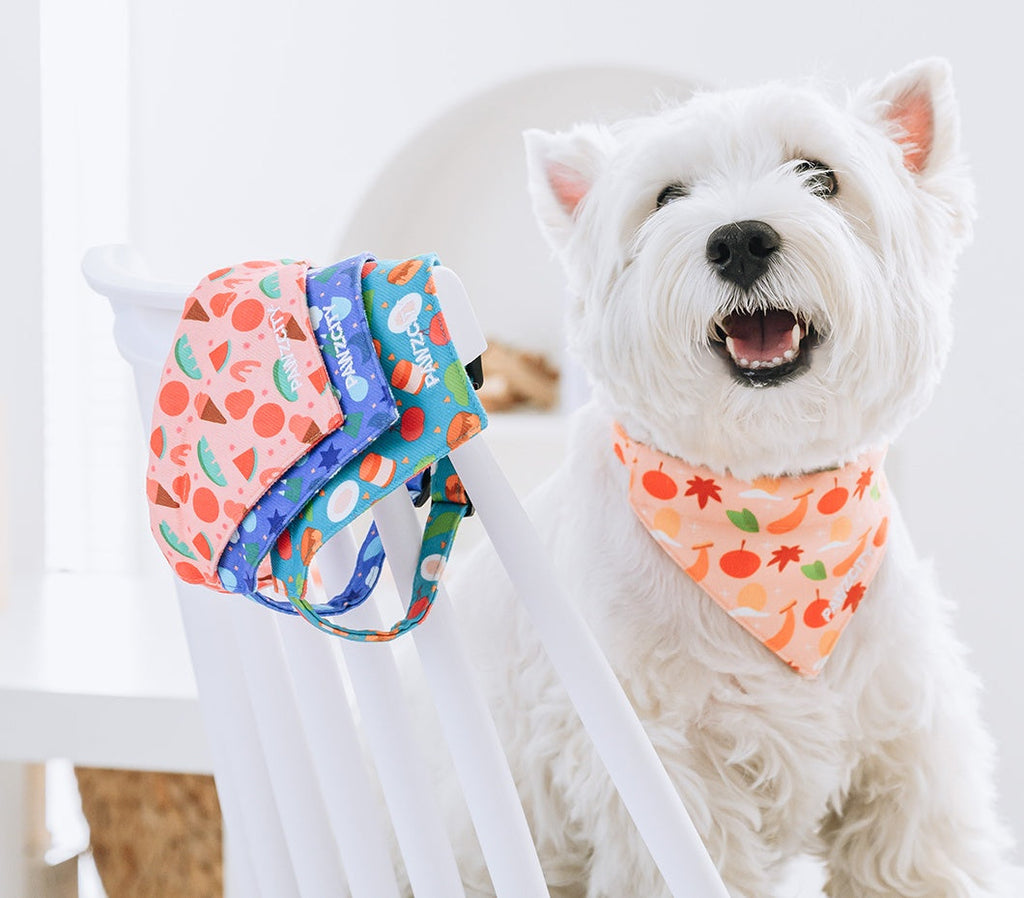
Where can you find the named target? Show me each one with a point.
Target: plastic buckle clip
(419, 487)
(475, 372)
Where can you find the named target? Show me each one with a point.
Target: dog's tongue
(761, 336)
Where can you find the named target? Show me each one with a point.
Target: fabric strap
(449, 505)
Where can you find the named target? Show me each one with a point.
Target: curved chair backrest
(302, 827)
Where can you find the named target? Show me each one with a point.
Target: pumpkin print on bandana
(789, 559)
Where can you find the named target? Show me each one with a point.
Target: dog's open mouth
(766, 347)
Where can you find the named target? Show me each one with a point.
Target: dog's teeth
(744, 363)
(789, 354)
(731, 346)
(776, 361)
(755, 364)
(796, 337)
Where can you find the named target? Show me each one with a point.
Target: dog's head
(760, 279)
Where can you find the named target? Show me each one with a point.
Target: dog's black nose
(741, 250)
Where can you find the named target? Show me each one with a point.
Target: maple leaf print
(784, 555)
(703, 490)
(853, 597)
(863, 482)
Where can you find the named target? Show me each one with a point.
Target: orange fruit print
(834, 499)
(740, 563)
(173, 398)
(247, 315)
(206, 506)
(268, 420)
(659, 484)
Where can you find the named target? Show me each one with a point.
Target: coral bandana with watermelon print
(243, 395)
(789, 559)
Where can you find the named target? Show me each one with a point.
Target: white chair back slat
(469, 730)
(240, 870)
(295, 788)
(354, 808)
(387, 725)
(239, 766)
(618, 736)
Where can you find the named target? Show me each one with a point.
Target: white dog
(812, 328)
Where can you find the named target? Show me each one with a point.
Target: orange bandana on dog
(788, 558)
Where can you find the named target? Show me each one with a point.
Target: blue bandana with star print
(439, 412)
(336, 311)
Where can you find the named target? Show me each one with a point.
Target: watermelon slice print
(283, 382)
(208, 463)
(319, 379)
(219, 355)
(158, 442)
(175, 542)
(246, 463)
(203, 546)
(271, 287)
(186, 358)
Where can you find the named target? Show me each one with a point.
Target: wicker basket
(154, 835)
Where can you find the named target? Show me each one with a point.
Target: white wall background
(225, 93)
(21, 241)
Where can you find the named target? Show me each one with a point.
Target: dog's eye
(672, 192)
(818, 177)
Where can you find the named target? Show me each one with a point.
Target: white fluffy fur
(881, 765)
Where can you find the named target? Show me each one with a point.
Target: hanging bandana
(243, 395)
(788, 558)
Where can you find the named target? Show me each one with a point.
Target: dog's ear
(561, 169)
(917, 109)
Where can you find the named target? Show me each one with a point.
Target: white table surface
(95, 668)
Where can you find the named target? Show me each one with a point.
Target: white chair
(292, 780)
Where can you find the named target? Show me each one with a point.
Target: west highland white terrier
(760, 286)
